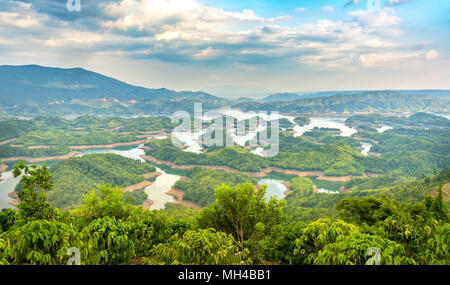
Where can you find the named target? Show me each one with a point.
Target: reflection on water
(157, 191)
(274, 187)
(384, 128)
(132, 153)
(191, 139)
(6, 186)
(322, 190)
(366, 148)
(335, 123)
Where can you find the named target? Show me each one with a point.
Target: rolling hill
(37, 90)
(370, 101)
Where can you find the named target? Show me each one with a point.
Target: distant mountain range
(369, 101)
(281, 97)
(33, 90)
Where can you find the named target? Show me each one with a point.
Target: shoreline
(7, 141)
(41, 159)
(263, 173)
(81, 147)
(287, 185)
(15, 199)
(3, 168)
(147, 204)
(143, 184)
(138, 186)
(178, 195)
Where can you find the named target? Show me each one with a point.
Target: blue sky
(238, 48)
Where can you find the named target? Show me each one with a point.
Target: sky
(236, 48)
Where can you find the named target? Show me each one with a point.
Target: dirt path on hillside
(142, 184)
(7, 141)
(15, 199)
(287, 185)
(38, 147)
(147, 204)
(3, 168)
(445, 192)
(151, 174)
(79, 147)
(261, 174)
(41, 159)
(137, 186)
(178, 194)
(366, 139)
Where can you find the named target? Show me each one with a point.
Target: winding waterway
(322, 122)
(155, 192)
(275, 187)
(6, 186)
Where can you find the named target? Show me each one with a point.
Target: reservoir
(275, 187)
(155, 192)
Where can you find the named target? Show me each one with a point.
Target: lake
(275, 187)
(156, 191)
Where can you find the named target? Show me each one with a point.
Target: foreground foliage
(240, 227)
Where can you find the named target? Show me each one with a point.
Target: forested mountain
(75, 177)
(34, 90)
(415, 120)
(239, 227)
(376, 101)
(281, 97)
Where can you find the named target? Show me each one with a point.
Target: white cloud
(328, 8)
(431, 54)
(185, 31)
(208, 53)
(397, 2)
(382, 58)
(351, 2)
(376, 18)
(190, 16)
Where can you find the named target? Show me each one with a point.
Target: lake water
(384, 128)
(192, 139)
(319, 122)
(366, 148)
(7, 186)
(275, 187)
(156, 191)
(323, 190)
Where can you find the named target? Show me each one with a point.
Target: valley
(358, 167)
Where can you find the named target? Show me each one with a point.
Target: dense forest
(75, 177)
(240, 227)
(202, 182)
(394, 199)
(57, 134)
(368, 101)
(413, 152)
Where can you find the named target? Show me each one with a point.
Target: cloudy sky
(238, 47)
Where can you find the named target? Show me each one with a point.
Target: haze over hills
(281, 97)
(284, 97)
(32, 90)
(370, 101)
